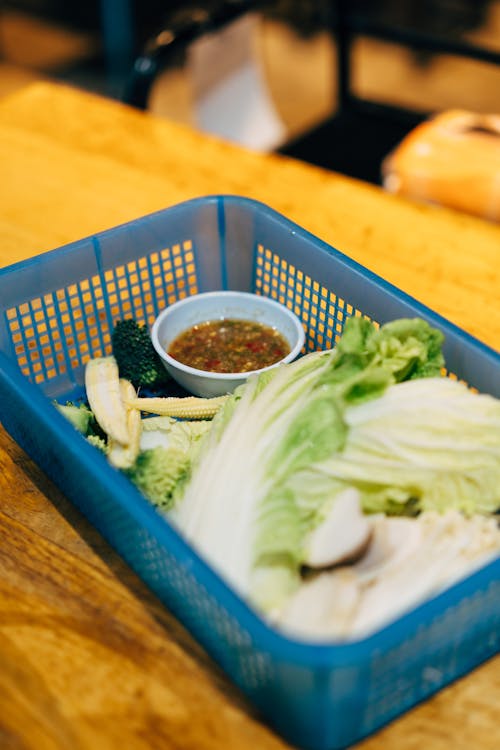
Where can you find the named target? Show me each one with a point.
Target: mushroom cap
(343, 535)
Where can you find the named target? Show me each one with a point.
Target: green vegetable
(136, 356)
(79, 415)
(167, 431)
(166, 451)
(286, 443)
(427, 444)
(98, 442)
(156, 473)
(83, 419)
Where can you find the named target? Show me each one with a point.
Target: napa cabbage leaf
(374, 413)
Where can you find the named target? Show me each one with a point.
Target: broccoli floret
(98, 442)
(135, 354)
(157, 472)
(83, 419)
(79, 415)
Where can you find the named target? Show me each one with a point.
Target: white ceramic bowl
(198, 308)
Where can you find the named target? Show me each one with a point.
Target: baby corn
(188, 407)
(102, 384)
(120, 455)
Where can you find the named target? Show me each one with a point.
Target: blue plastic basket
(58, 309)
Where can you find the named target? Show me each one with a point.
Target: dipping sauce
(229, 345)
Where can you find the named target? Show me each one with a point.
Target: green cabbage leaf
(374, 413)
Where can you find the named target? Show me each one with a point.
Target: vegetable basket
(58, 310)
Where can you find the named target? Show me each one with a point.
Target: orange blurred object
(452, 159)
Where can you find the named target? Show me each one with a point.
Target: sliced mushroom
(392, 540)
(407, 560)
(323, 607)
(343, 535)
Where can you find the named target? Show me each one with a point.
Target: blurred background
(336, 84)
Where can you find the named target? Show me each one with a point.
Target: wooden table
(88, 657)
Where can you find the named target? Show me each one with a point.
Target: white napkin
(231, 97)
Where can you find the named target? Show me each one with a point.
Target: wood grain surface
(89, 659)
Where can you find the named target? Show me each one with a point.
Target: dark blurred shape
(448, 19)
(80, 14)
(360, 134)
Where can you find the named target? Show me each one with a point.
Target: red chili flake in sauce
(229, 345)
